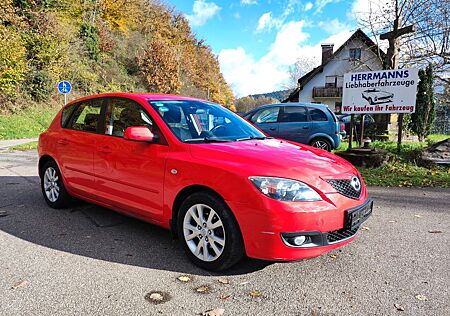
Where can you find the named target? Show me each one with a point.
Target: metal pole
(362, 130)
(65, 98)
(350, 138)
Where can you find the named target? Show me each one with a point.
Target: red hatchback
(220, 185)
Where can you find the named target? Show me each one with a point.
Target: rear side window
(86, 117)
(317, 115)
(66, 114)
(294, 114)
(268, 115)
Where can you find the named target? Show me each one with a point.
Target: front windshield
(196, 121)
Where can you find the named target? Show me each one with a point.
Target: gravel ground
(87, 260)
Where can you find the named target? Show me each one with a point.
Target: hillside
(101, 46)
(279, 95)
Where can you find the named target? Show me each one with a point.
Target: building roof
(310, 75)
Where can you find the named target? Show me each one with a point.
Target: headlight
(285, 189)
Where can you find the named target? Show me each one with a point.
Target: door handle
(63, 141)
(272, 128)
(105, 149)
(305, 127)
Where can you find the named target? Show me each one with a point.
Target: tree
(299, 69)
(248, 103)
(422, 119)
(159, 67)
(430, 43)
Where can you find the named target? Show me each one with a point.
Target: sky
(257, 40)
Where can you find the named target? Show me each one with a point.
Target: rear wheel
(210, 234)
(321, 143)
(52, 186)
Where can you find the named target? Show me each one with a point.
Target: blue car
(307, 123)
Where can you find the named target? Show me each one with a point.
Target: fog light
(299, 240)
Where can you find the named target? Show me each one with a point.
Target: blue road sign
(64, 87)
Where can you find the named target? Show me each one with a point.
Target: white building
(323, 84)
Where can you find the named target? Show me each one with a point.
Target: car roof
(311, 105)
(136, 95)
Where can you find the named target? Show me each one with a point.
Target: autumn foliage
(101, 46)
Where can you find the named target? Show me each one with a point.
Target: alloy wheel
(51, 186)
(321, 144)
(204, 232)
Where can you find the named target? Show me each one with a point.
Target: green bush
(90, 37)
(39, 85)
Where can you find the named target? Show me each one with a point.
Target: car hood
(383, 94)
(277, 158)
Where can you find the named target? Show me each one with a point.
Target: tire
(52, 186)
(321, 143)
(220, 233)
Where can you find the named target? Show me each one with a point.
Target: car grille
(338, 235)
(344, 187)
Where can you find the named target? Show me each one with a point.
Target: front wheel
(321, 143)
(52, 186)
(210, 234)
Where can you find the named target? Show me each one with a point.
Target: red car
(194, 167)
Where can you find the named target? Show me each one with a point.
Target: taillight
(342, 127)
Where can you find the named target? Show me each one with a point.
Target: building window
(355, 53)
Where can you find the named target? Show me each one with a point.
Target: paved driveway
(87, 260)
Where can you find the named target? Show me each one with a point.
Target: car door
(130, 174)
(76, 144)
(320, 122)
(267, 120)
(294, 124)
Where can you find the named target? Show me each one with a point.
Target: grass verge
(28, 123)
(402, 170)
(24, 147)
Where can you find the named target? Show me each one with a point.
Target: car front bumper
(268, 231)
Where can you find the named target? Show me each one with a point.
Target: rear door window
(294, 114)
(67, 113)
(317, 115)
(86, 116)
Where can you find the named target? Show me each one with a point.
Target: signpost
(379, 92)
(64, 87)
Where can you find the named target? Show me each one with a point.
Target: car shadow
(88, 230)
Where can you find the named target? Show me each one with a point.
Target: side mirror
(140, 134)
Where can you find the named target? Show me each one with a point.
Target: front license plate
(355, 217)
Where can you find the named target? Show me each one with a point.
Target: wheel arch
(318, 136)
(182, 195)
(42, 161)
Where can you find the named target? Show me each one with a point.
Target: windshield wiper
(252, 137)
(207, 140)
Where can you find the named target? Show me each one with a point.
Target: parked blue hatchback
(307, 123)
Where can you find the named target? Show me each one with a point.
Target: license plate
(355, 217)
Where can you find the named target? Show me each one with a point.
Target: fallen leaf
(202, 289)
(365, 228)
(157, 297)
(399, 307)
(184, 278)
(214, 312)
(223, 281)
(225, 297)
(421, 297)
(417, 215)
(244, 283)
(255, 293)
(19, 284)
(333, 256)
(435, 231)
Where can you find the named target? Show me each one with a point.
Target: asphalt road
(87, 260)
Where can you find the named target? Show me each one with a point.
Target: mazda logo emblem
(356, 184)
